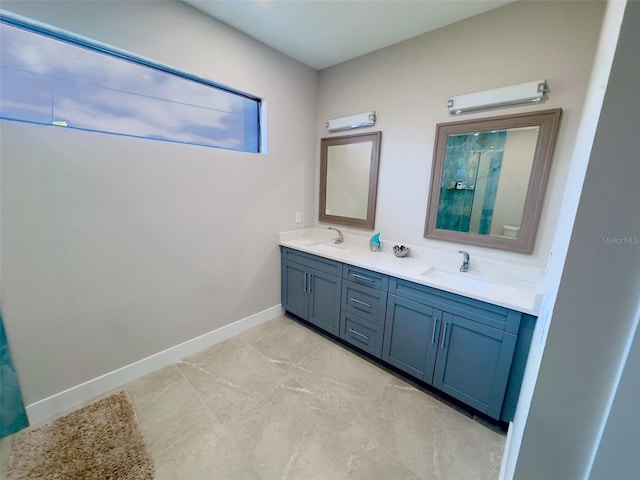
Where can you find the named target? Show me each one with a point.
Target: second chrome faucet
(465, 261)
(340, 238)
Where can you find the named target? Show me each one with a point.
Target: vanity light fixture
(524, 93)
(354, 121)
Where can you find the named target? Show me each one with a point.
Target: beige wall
(578, 410)
(117, 248)
(408, 85)
(514, 177)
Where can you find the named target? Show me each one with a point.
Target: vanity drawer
(361, 333)
(312, 261)
(365, 302)
(366, 277)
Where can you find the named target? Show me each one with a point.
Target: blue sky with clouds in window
(45, 80)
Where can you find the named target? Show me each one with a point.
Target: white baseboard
(63, 401)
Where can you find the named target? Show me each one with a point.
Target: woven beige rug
(100, 441)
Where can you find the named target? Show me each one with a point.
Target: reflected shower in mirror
(484, 177)
(488, 179)
(349, 179)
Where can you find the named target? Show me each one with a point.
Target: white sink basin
(464, 281)
(326, 248)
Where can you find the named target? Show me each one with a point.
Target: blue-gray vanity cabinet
(473, 351)
(518, 364)
(461, 346)
(364, 301)
(311, 288)
(473, 363)
(411, 336)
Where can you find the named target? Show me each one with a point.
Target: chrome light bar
(524, 93)
(354, 121)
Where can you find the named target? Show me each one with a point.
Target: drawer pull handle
(444, 335)
(360, 277)
(364, 304)
(358, 334)
(433, 334)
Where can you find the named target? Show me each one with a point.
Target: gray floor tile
(231, 381)
(281, 402)
(429, 437)
(285, 342)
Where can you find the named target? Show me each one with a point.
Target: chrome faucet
(465, 261)
(340, 238)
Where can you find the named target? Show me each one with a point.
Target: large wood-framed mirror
(488, 179)
(349, 179)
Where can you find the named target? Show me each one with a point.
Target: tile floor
(282, 402)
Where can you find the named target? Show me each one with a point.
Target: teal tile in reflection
(13, 416)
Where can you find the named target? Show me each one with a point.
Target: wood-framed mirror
(488, 179)
(349, 179)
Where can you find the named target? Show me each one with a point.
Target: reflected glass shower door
(12, 413)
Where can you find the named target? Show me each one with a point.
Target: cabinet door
(473, 363)
(411, 337)
(295, 297)
(324, 307)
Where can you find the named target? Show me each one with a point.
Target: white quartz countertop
(491, 281)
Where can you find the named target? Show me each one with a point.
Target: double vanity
(462, 327)
(466, 334)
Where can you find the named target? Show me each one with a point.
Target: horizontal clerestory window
(54, 78)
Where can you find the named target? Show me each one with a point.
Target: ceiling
(322, 33)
